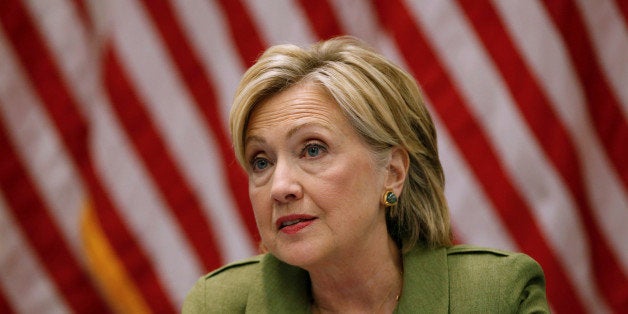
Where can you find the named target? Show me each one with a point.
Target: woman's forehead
(300, 104)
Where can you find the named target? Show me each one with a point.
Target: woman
(347, 191)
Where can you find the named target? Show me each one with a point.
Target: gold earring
(389, 198)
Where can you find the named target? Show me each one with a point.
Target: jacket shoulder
(512, 281)
(472, 249)
(236, 267)
(224, 290)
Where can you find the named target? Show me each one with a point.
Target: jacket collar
(286, 289)
(426, 276)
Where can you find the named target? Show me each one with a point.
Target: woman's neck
(367, 283)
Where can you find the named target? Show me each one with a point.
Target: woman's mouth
(292, 224)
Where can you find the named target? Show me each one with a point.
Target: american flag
(119, 187)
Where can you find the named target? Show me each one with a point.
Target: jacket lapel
(426, 276)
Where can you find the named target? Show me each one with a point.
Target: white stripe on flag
(208, 31)
(528, 24)
(480, 226)
(357, 18)
(40, 148)
(141, 205)
(609, 38)
(291, 28)
(516, 147)
(177, 118)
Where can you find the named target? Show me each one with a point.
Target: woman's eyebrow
(309, 124)
(253, 138)
(291, 132)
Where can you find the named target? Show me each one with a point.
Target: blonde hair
(384, 105)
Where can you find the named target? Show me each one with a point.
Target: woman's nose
(285, 184)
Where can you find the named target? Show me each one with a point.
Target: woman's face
(313, 182)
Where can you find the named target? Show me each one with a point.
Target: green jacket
(459, 279)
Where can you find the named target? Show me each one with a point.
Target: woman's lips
(291, 224)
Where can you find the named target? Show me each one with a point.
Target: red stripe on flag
(322, 18)
(476, 148)
(73, 129)
(602, 104)
(623, 10)
(83, 12)
(163, 169)
(202, 89)
(5, 307)
(43, 234)
(557, 144)
(243, 31)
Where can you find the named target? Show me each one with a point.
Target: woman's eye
(259, 163)
(313, 150)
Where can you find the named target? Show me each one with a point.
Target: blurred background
(118, 184)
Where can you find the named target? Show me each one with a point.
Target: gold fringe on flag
(106, 268)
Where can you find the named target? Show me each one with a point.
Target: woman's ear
(397, 169)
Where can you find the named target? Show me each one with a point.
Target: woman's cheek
(262, 210)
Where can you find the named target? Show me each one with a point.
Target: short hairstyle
(383, 104)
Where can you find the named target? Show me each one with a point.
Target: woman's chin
(297, 254)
